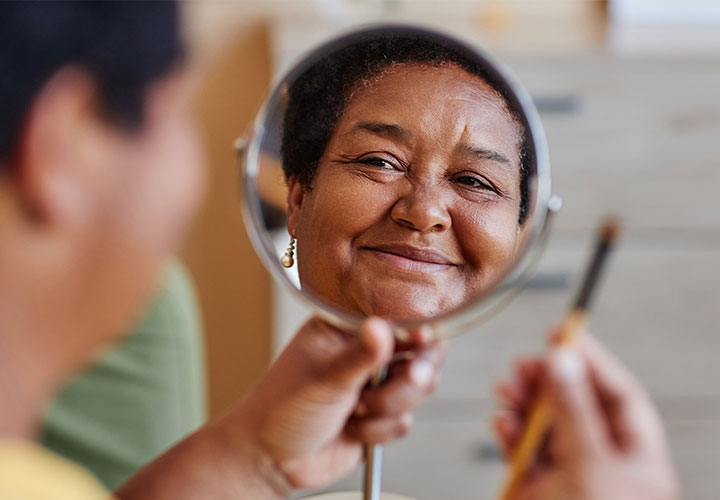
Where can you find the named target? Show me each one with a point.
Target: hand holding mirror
(410, 174)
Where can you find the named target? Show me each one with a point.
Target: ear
(521, 234)
(51, 161)
(296, 196)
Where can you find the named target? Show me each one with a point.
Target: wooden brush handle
(539, 419)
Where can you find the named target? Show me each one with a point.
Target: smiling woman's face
(414, 206)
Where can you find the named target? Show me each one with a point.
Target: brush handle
(539, 419)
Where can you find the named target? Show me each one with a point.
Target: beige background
(232, 284)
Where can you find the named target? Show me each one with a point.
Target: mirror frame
(475, 310)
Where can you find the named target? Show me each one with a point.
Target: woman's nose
(422, 209)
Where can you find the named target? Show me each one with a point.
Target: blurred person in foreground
(607, 441)
(140, 397)
(100, 172)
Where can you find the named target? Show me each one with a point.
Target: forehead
(424, 77)
(444, 102)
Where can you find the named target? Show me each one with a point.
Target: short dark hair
(123, 46)
(318, 96)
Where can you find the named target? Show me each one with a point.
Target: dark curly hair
(123, 46)
(320, 93)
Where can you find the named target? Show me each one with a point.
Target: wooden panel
(233, 286)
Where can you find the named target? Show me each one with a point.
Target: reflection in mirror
(400, 169)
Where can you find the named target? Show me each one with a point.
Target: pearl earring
(287, 260)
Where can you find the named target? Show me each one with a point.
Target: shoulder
(29, 472)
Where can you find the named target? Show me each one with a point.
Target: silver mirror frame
(476, 310)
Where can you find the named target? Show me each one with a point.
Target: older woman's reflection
(407, 191)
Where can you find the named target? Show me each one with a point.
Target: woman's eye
(474, 182)
(377, 162)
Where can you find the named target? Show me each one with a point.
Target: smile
(412, 259)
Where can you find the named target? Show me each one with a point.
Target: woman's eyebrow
(389, 130)
(484, 154)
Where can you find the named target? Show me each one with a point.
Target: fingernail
(421, 373)
(380, 335)
(378, 325)
(566, 366)
(425, 333)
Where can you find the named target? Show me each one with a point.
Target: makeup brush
(573, 324)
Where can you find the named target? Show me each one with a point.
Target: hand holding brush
(607, 440)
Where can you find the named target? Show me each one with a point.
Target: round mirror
(396, 171)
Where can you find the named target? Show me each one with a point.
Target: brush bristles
(608, 233)
(610, 230)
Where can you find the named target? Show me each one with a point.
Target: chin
(404, 308)
(401, 300)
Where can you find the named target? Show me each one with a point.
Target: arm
(303, 426)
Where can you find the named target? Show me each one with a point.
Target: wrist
(242, 444)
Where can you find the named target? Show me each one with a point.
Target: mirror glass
(410, 170)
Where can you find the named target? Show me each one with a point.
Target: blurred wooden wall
(232, 285)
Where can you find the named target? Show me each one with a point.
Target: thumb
(579, 425)
(365, 355)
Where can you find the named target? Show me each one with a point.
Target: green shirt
(141, 397)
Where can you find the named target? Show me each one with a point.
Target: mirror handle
(373, 455)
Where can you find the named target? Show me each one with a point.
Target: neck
(33, 344)
(29, 372)
(25, 385)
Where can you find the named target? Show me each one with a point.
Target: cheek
(187, 169)
(143, 209)
(173, 185)
(488, 236)
(337, 209)
(341, 206)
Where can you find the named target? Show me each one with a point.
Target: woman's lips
(413, 259)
